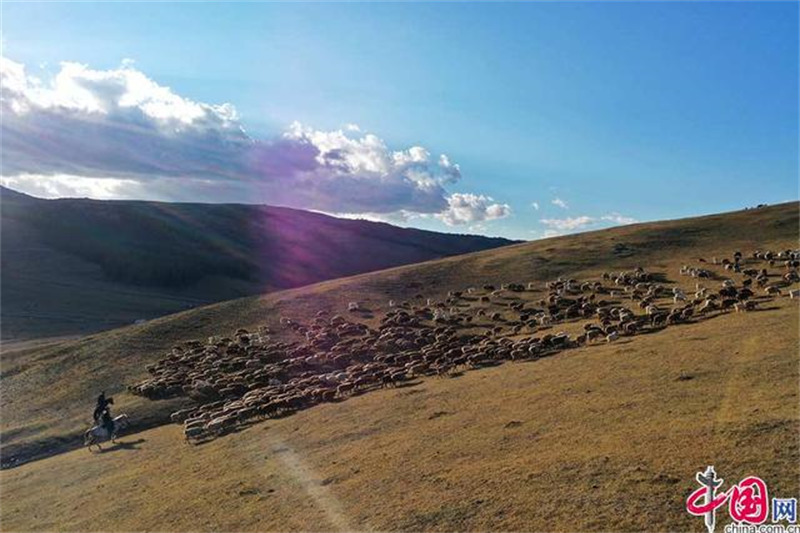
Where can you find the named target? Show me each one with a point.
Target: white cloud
(616, 218)
(122, 93)
(472, 208)
(567, 224)
(117, 133)
(535, 205)
(558, 202)
(560, 226)
(62, 185)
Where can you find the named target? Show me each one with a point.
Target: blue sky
(622, 110)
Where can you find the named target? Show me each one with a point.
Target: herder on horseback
(102, 412)
(106, 427)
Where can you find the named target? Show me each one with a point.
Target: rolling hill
(605, 436)
(75, 266)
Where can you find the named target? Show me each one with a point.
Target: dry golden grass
(604, 437)
(599, 438)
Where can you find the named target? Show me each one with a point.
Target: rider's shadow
(120, 445)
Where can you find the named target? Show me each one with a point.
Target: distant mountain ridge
(79, 265)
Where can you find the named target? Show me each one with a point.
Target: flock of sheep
(236, 381)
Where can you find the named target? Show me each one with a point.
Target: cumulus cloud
(117, 133)
(535, 205)
(558, 202)
(472, 208)
(115, 123)
(567, 224)
(561, 226)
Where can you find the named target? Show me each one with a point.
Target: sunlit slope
(48, 391)
(605, 437)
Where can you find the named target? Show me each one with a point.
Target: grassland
(598, 438)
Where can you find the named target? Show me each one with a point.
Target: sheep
(707, 305)
(235, 380)
(193, 433)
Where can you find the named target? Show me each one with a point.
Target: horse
(98, 434)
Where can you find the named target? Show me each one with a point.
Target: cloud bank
(118, 134)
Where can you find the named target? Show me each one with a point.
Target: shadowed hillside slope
(601, 437)
(77, 266)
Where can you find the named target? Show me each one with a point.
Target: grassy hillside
(618, 428)
(604, 438)
(78, 266)
(68, 374)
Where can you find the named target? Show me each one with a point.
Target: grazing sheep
(651, 310)
(235, 381)
(744, 306)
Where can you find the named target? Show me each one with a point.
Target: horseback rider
(102, 412)
(101, 405)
